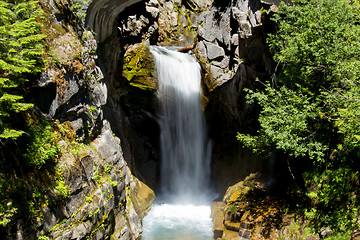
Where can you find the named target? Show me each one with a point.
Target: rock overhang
(102, 15)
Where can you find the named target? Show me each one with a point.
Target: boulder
(154, 11)
(224, 64)
(210, 30)
(142, 196)
(232, 226)
(218, 76)
(201, 51)
(214, 51)
(248, 16)
(217, 216)
(248, 211)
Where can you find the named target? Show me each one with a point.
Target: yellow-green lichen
(138, 67)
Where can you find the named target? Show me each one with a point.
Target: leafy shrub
(43, 146)
(311, 110)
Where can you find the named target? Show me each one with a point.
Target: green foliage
(295, 231)
(312, 109)
(284, 124)
(60, 186)
(316, 42)
(88, 199)
(346, 116)
(43, 145)
(113, 183)
(7, 211)
(333, 197)
(62, 190)
(29, 173)
(21, 48)
(77, 8)
(340, 236)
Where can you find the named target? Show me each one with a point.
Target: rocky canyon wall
(102, 82)
(96, 196)
(228, 39)
(229, 42)
(232, 50)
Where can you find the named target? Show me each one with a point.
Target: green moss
(62, 189)
(42, 144)
(138, 67)
(114, 183)
(88, 199)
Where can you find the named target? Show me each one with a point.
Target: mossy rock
(142, 196)
(250, 208)
(177, 25)
(138, 67)
(240, 190)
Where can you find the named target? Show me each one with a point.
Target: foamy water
(185, 153)
(186, 222)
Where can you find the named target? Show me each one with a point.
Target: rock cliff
(230, 46)
(232, 51)
(96, 196)
(100, 81)
(105, 200)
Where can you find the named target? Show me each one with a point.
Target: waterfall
(185, 148)
(182, 210)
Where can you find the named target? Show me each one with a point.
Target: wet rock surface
(249, 211)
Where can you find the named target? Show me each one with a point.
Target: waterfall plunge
(185, 156)
(185, 152)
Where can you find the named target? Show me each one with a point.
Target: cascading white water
(184, 145)
(185, 152)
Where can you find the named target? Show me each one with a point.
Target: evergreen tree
(21, 48)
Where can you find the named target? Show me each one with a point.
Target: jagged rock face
(230, 36)
(105, 199)
(232, 52)
(102, 194)
(72, 87)
(132, 103)
(229, 44)
(90, 82)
